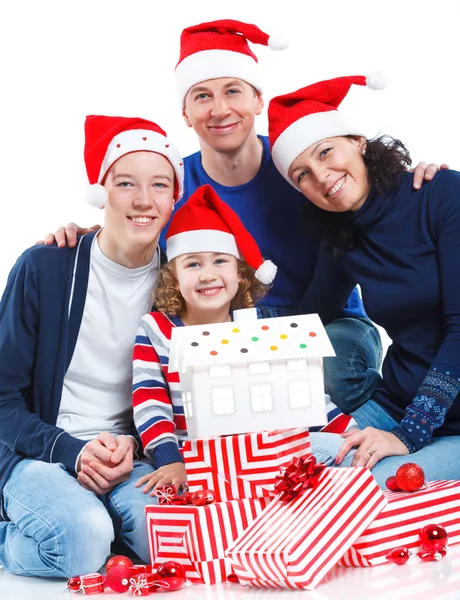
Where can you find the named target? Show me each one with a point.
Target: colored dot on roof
(273, 347)
(235, 330)
(303, 345)
(118, 145)
(256, 339)
(243, 350)
(224, 342)
(265, 327)
(283, 336)
(213, 353)
(195, 344)
(206, 333)
(312, 334)
(294, 325)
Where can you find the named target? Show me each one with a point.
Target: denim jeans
(56, 528)
(352, 375)
(439, 460)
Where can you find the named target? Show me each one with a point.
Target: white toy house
(251, 375)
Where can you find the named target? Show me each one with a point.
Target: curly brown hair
(386, 160)
(168, 299)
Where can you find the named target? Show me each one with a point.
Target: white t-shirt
(96, 395)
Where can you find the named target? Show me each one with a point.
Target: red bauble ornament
(117, 579)
(399, 556)
(429, 556)
(203, 497)
(233, 578)
(170, 576)
(118, 561)
(392, 484)
(188, 497)
(433, 538)
(74, 584)
(410, 477)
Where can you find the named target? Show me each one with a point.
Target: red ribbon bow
(301, 474)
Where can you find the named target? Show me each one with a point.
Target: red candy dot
(312, 334)
(265, 327)
(213, 353)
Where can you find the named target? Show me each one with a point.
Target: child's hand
(172, 474)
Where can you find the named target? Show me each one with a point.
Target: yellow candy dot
(283, 336)
(224, 342)
(273, 347)
(236, 330)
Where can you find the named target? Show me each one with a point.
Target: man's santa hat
(220, 49)
(206, 224)
(309, 115)
(109, 138)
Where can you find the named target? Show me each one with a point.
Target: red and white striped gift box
(198, 536)
(295, 544)
(242, 466)
(400, 521)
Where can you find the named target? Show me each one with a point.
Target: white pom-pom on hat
(266, 272)
(278, 41)
(96, 195)
(376, 80)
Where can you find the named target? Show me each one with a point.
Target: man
(221, 93)
(68, 320)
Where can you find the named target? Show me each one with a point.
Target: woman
(402, 246)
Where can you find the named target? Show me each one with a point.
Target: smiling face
(208, 282)
(332, 174)
(222, 112)
(140, 188)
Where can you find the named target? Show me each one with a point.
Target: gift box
(198, 536)
(400, 521)
(242, 466)
(294, 544)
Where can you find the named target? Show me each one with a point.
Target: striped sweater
(157, 399)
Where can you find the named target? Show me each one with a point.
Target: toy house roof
(253, 340)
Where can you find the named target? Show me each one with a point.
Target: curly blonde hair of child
(169, 300)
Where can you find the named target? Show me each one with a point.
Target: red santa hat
(220, 49)
(109, 138)
(309, 115)
(206, 224)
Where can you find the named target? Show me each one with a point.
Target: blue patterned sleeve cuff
(428, 409)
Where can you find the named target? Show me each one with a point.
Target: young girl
(214, 267)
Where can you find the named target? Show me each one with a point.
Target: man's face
(222, 112)
(140, 188)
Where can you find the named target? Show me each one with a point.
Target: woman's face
(332, 174)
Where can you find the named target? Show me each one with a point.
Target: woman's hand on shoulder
(373, 445)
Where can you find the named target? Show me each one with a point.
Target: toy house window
(299, 393)
(261, 397)
(298, 364)
(216, 371)
(187, 402)
(222, 400)
(259, 368)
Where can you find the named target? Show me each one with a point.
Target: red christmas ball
(233, 578)
(433, 538)
(188, 497)
(74, 584)
(118, 561)
(410, 477)
(170, 576)
(429, 556)
(399, 556)
(203, 497)
(392, 484)
(117, 579)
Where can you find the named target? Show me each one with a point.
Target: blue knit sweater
(407, 263)
(273, 212)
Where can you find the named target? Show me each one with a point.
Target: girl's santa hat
(220, 49)
(206, 224)
(309, 115)
(109, 138)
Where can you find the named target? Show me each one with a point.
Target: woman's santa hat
(220, 49)
(309, 115)
(109, 138)
(206, 224)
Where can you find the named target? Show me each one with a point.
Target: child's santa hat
(220, 49)
(309, 115)
(206, 224)
(109, 138)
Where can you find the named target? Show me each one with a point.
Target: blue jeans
(56, 528)
(351, 377)
(439, 460)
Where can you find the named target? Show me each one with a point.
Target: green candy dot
(303, 345)
(255, 339)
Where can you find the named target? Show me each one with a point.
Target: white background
(63, 59)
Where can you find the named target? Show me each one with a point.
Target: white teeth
(336, 187)
(141, 219)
